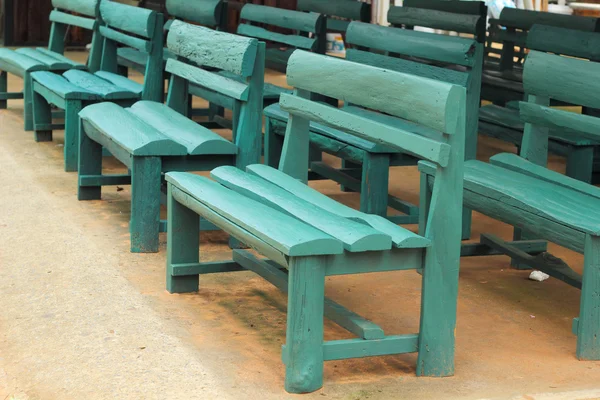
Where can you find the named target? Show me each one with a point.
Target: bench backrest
(450, 15)
(435, 104)
(551, 77)
(197, 47)
(339, 13)
(210, 13)
(302, 24)
(141, 29)
(513, 26)
(423, 54)
(568, 42)
(64, 16)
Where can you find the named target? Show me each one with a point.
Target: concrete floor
(81, 317)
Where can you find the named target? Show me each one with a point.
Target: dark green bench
(367, 163)
(339, 13)
(504, 123)
(306, 236)
(151, 138)
(73, 90)
(209, 13)
(22, 62)
(521, 191)
(502, 77)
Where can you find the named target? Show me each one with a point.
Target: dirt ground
(82, 317)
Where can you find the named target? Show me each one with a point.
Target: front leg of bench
(145, 204)
(304, 333)
(348, 164)
(28, 102)
(42, 115)
(588, 327)
(3, 89)
(374, 184)
(273, 145)
(580, 163)
(90, 163)
(183, 237)
(72, 134)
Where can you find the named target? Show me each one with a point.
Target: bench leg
(72, 134)
(304, 333)
(145, 204)
(588, 329)
(348, 164)
(425, 193)
(123, 70)
(374, 185)
(273, 145)
(518, 235)
(28, 102)
(183, 238)
(42, 115)
(580, 163)
(3, 88)
(90, 163)
(467, 217)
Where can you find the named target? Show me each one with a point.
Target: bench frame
(305, 352)
(61, 18)
(43, 98)
(147, 170)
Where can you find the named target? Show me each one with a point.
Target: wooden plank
(525, 19)
(121, 81)
(564, 41)
(396, 138)
(86, 82)
(138, 20)
(212, 96)
(290, 19)
(49, 62)
(435, 19)
(282, 232)
(355, 236)
(74, 20)
(205, 12)
(348, 320)
(354, 10)
(131, 41)
(113, 123)
(60, 57)
(425, 101)
(459, 7)
(209, 80)
(62, 87)
(356, 348)
(401, 237)
(301, 42)
(85, 7)
(205, 47)
(190, 269)
(197, 139)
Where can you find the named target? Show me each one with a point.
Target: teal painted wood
(588, 347)
(435, 19)
(86, 7)
(145, 211)
(71, 144)
(183, 239)
(450, 49)
(305, 22)
(343, 11)
(90, 164)
(127, 40)
(300, 42)
(456, 6)
(204, 46)
(204, 12)
(69, 19)
(375, 178)
(355, 348)
(354, 235)
(61, 87)
(564, 41)
(81, 83)
(137, 20)
(525, 19)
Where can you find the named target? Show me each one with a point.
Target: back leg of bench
(580, 163)
(3, 88)
(374, 185)
(42, 115)
(348, 164)
(183, 237)
(145, 204)
(123, 70)
(72, 134)
(273, 145)
(424, 202)
(90, 163)
(588, 328)
(28, 102)
(304, 332)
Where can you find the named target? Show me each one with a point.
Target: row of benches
(408, 96)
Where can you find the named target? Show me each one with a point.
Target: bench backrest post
(141, 29)
(87, 18)
(233, 54)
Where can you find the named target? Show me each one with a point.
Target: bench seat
(151, 129)
(23, 60)
(509, 118)
(517, 183)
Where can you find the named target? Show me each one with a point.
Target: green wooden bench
(504, 123)
(209, 13)
(502, 77)
(339, 13)
(151, 138)
(75, 89)
(366, 162)
(449, 15)
(22, 62)
(521, 191)
(307, 236)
